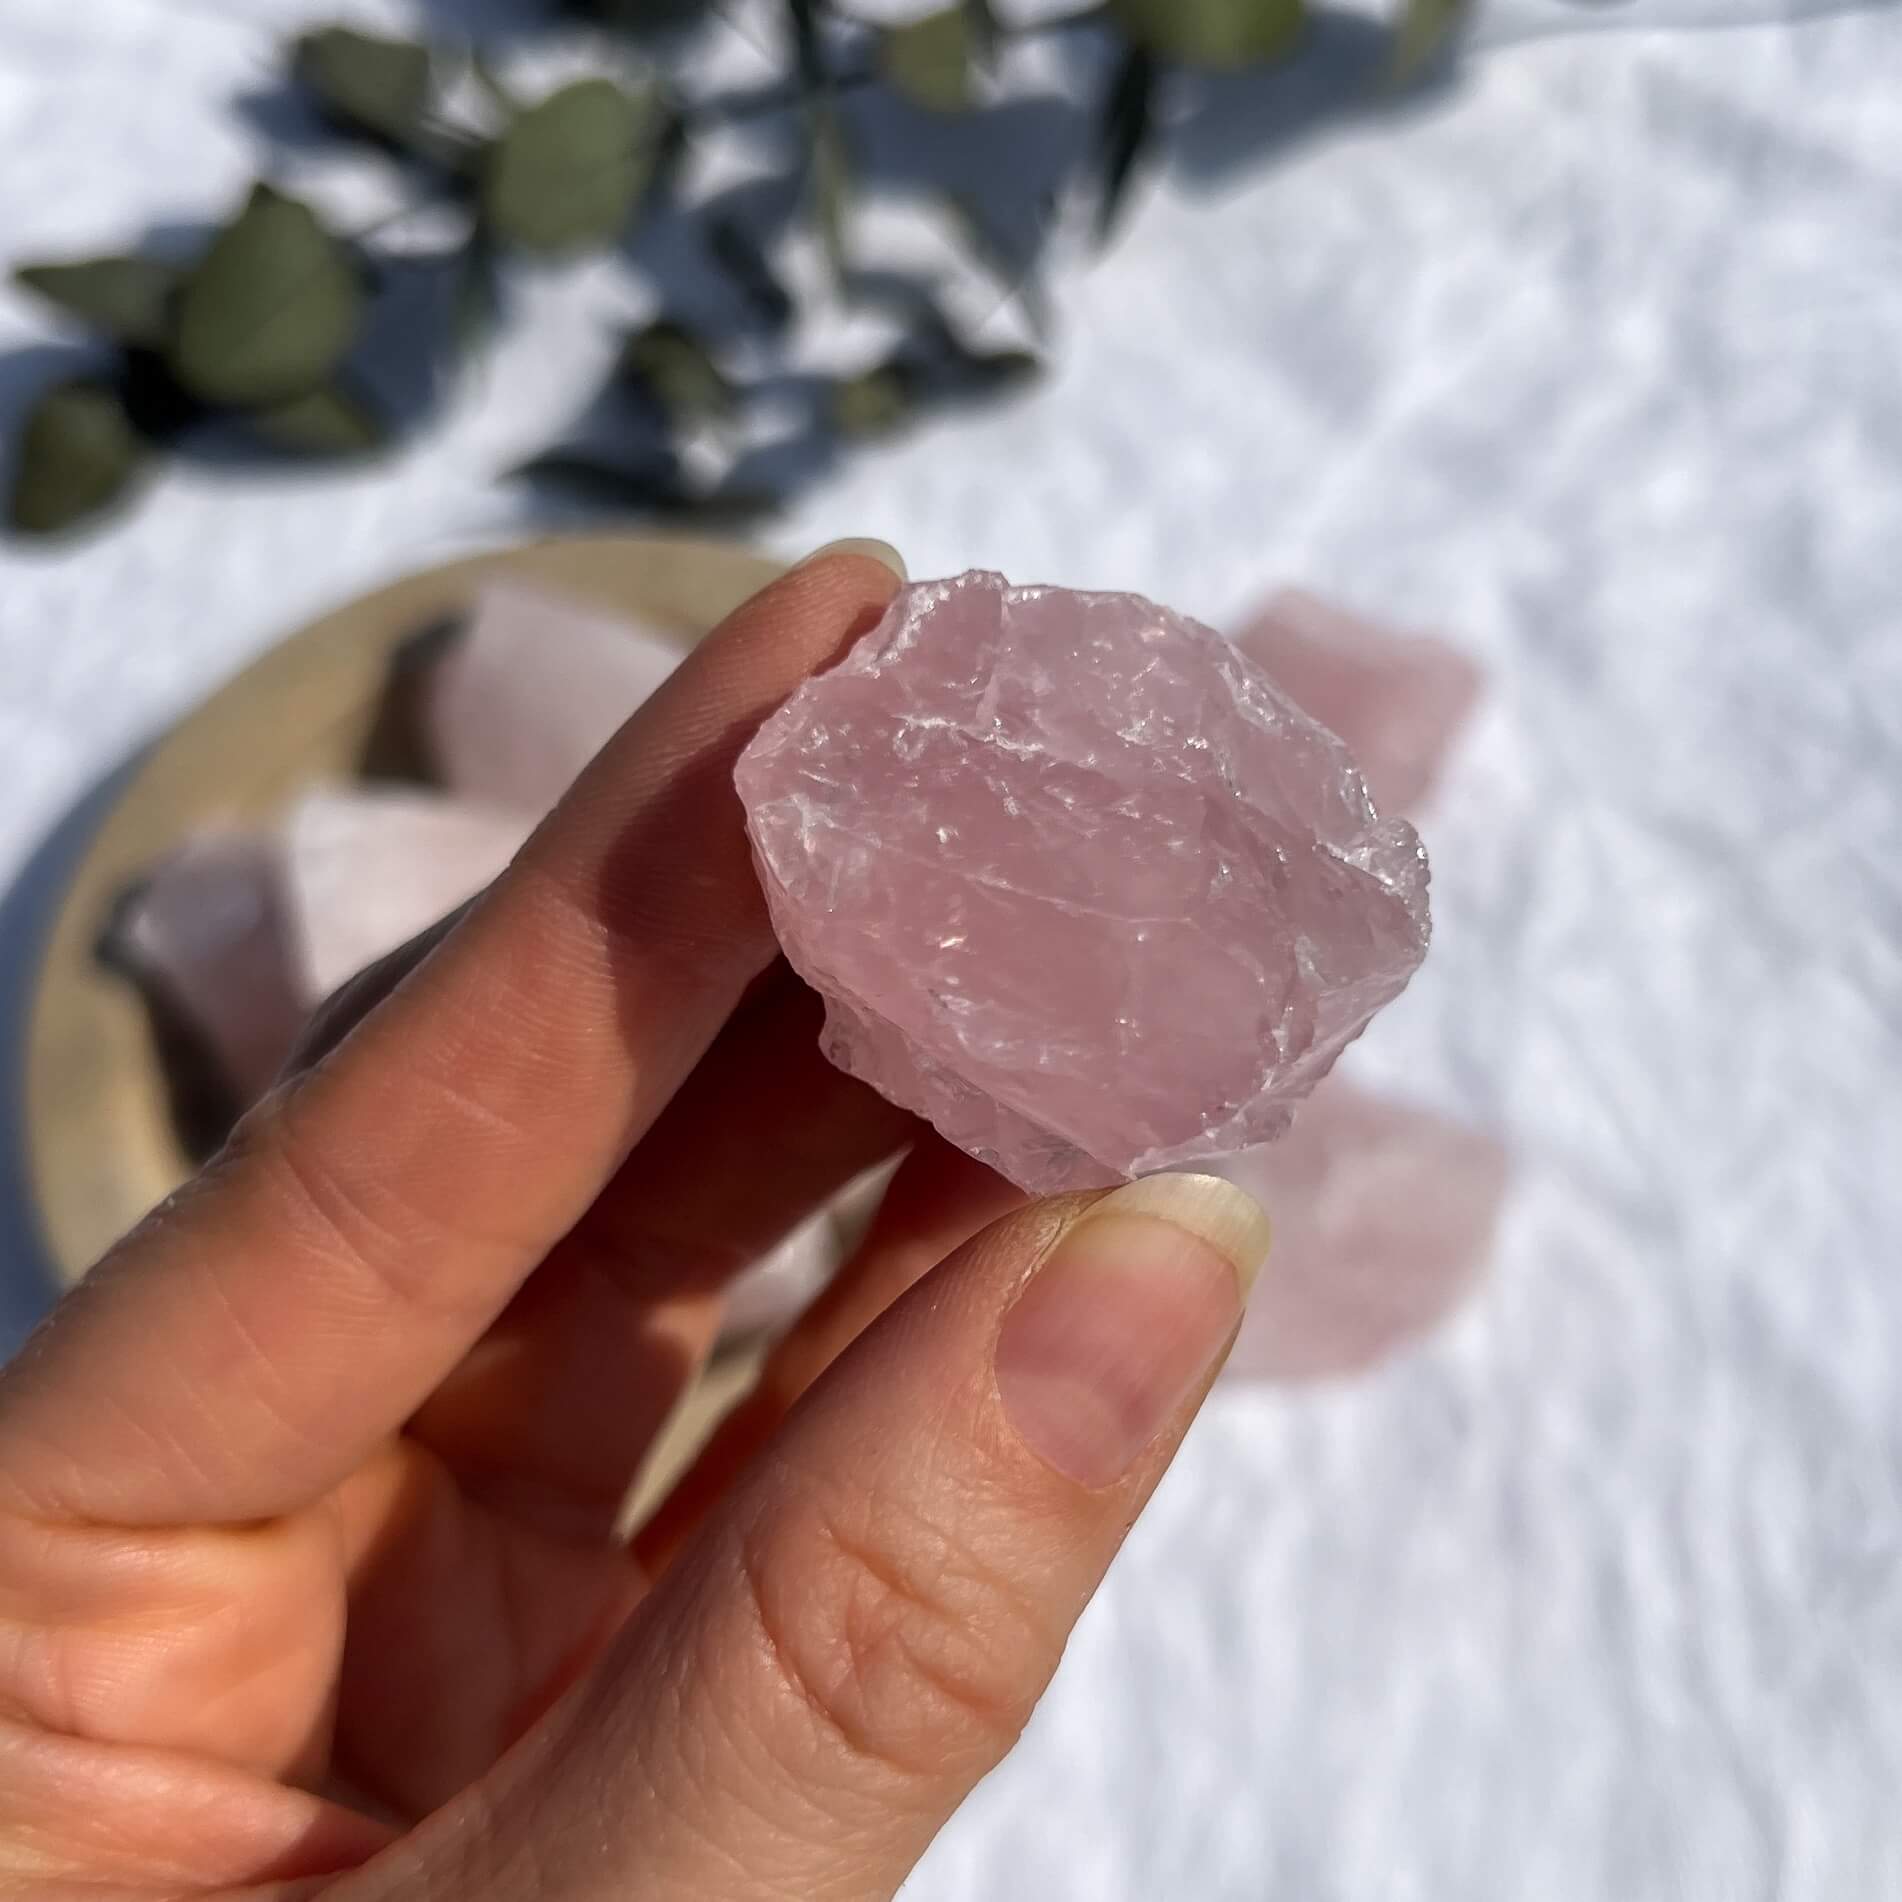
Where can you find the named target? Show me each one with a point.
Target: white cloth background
(1595, 363)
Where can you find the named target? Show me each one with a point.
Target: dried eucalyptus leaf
(364, 81)
(829, 184)
(1223, 35)
(928, 60)
(1422, 36)
(269, 310)
(78, 454)
(127, 298)
(873, 403)
(678, 371)
(327, 422)
(1128, 120)
(570, 170)
(739, 256)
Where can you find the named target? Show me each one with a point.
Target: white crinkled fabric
(1591, 361)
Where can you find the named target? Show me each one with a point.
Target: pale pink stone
(206, 931)
(1398, 700)
(1382, 1217)
(1078, 883)
(366, 869)
(531, 689)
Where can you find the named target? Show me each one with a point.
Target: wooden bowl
(100, 1139)
(101, 1144)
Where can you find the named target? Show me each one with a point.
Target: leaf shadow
(283, 114)
(1231, 123)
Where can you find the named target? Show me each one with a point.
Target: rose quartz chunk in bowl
(1078, 882)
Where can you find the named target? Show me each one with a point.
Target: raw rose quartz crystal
(366, 870)
(206, 930)
(530, 689)
(1398, 700)
(1382, 1213)
(1079, 884)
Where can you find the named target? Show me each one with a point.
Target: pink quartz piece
(1078, 883)
(1382, 1216)
(206, 929)
(367, 869)
(1398, 700)
(531, 689)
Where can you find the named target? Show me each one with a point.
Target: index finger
(242, 1350)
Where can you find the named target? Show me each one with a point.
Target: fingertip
(864, 547)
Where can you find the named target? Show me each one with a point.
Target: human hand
(309, 1578)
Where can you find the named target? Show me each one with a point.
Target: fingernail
(1124, 1319)
(866, 545)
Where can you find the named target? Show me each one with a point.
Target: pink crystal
(206, 929)
(1382, 1217)
(368, 869)
(1079, 884)
(531, 689)
(1398, 700)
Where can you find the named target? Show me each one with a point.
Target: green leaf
(929, 60)
(1221, 34)
(126, 298)
(873, 403)
(678, 371)
(269, 310)
(1422, 36)
(829, 184)
(78, 453)
(1128, 119)
(737, 253)
(365, 82)
(570, 170)
(327, 422)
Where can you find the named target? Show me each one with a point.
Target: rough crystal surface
(1079, 884)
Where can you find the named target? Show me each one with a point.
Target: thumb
(861, 1630)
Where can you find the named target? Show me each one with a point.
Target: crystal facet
(1079, 884)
